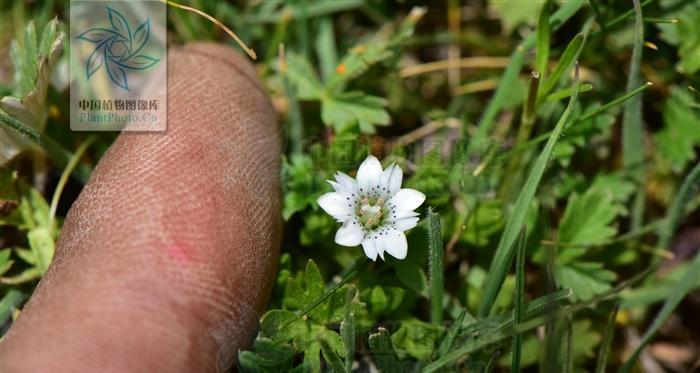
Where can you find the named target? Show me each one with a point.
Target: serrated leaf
(681, 132)
(32, 77)
(588, 218)
(354, 107)
(267, 356)
(303, 77)
(585, 279)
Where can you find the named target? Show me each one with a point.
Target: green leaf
(681, 131)
(43, 247)
(5, 262)
(565, 62)
(416, 338)
(685, 34)
(411, 275)
(585, 279)
(588, 218)
(366, 54)
(267, 356)
(303, 77)
(33, 65)
(299, 183)
(514, 14)
(11, 300)
(486, 221)
(354, 107)
(543, 36)
(302, 292)
(27, 275)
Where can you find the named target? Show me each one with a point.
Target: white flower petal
(338, 205)
(407, 199)
(351, 233)
(341, 189)
(394, 242)
(396, 214)
(391, 180)
(405, 223)
(369, 175)
(370, 248)
(347, 182)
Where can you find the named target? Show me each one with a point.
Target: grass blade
(504, 252)
(674, 298)
(607, 341)
(567, 10)
(435, 252)
(519, 301)
(576, 130)
(543, 36)
(567, 59)
(452, 332)
(632, 125)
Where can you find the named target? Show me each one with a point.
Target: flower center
(371, 212)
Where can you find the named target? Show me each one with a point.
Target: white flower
(374, 210)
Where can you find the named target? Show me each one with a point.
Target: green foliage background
(555, 197)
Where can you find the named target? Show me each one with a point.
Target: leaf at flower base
(681, 131)
(98, 35)
(119, 23)
(416, 338)
(139, 62)
(116, 74)
(33, 66)
(585, 279)
(354, 107)
(140, 36)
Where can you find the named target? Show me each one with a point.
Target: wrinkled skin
(166, 259)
